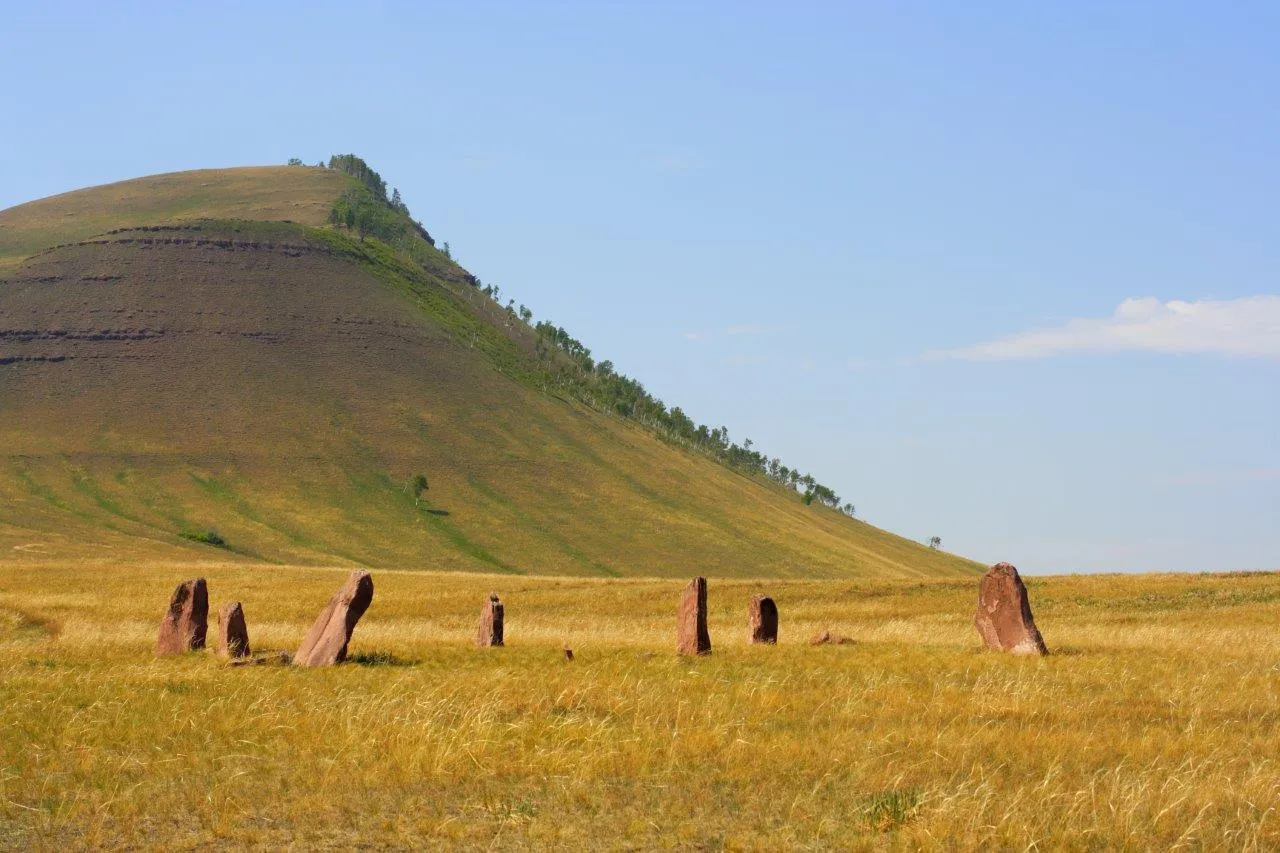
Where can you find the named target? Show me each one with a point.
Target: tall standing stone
(326, 642)
(186, 622)
(762, 617)
(233, 634)
(489, 632)
(1004, 617)
(691, 625)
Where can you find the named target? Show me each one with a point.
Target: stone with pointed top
(691, 625)
(1003, 617)
(186, 622)
(326, 642)
(489, 631)
(233, 634)
(762, 619)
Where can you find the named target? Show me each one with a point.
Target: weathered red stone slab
(762, 621)
(1003, 617)
(691, 621)
(326, 642)
(186, 622)
(489, 631)
(233, 633)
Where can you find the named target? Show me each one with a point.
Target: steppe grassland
(1153, 725)
(262, 192)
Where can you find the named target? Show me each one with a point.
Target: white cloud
(1245, 327)
(857, 364)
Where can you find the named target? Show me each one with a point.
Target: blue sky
(1005, 273)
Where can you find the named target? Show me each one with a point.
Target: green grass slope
(176, 359)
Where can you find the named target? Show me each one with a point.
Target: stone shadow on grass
(376, 658)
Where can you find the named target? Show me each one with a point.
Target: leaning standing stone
(233, 634)
(1003, 617)
(489, 632)
(326, 642)
(691, 628)
(762, 617)
(184, 625)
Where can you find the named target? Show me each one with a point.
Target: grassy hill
(201, 353)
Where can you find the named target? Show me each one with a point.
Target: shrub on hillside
(207, 537)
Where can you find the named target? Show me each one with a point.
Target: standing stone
(326, 642)
(489, 632)
(184, 625)
(233, 634)
(568, 655)
(763, 621)
(1003, 617)
(691, 626)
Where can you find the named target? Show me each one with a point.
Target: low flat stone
(489, 631)
(830, 638)
(186, 622)
(1003, 617)
(762, 621)
(691, 620)
(233, 634)
(326, 642)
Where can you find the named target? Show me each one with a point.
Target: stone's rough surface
(1003, 617)
(326, 642)
(829, 638)
(762, 617)
(233, 634)
(489, 632)
(184, 625)
(691, 628)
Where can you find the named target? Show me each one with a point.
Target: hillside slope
(176, 358)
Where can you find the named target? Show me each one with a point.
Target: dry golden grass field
(1154, 724)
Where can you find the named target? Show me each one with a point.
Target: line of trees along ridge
(368, 211)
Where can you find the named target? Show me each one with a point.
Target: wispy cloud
(1245, 327)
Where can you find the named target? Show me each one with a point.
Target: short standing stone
(691, 626)
(1003, 617)
(568, 655)
(233, 634)
(185, 623)
(763, 620)
(489, 631)
(326, 642)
